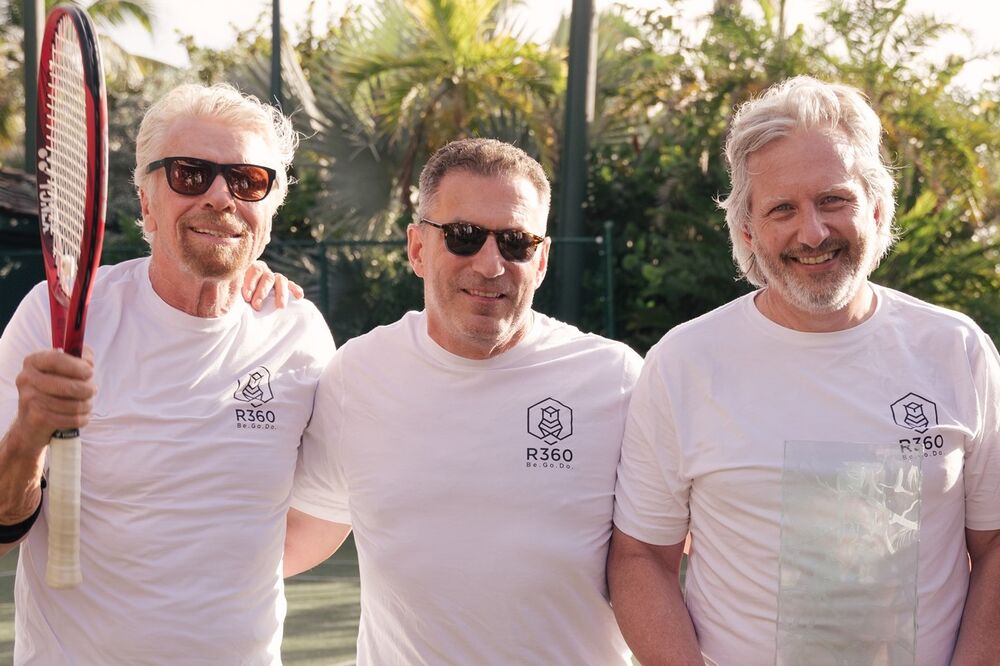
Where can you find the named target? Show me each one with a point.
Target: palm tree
(410, 75)
(118, 63)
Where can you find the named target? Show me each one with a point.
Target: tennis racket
(72, 193)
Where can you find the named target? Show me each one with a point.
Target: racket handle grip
(63, 569)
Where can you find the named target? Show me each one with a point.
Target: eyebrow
(846, 186)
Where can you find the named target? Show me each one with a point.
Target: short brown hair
(482, 157)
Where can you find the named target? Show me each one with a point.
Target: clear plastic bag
(850, 525)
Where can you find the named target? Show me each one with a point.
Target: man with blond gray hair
(191, 403)
(831, 446)
(473, 445)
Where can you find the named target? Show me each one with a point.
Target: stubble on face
(814, 230)
(818, 293)
(215, 261)
(479, 306)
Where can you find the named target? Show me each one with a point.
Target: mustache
(828, 245)
(219, 219)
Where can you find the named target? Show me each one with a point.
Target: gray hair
(482, 157)
(803, 102)
(221, 102)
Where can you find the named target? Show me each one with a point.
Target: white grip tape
(64, 513)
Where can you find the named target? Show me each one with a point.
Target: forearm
(310, 541)
(20, 489)
(981, 619)
(20, 478)
(54, 391)
(648, 604)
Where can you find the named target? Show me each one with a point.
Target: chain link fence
(357, 284)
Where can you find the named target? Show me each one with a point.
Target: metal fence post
(609, 279)
(324, 282)
(34, 28)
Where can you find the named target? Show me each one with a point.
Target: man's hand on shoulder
(258, 282)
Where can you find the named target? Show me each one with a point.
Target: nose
(812, 228)
(218, 196)
(488, 262)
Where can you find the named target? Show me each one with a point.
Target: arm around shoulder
(644, 582)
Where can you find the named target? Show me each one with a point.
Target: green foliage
(672, 249)
(403, 79)
(656, 159)
(119, 66)
(378, 89)
(357, 286)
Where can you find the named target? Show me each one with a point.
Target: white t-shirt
(704, 449)
(188, 464)
(480, 492)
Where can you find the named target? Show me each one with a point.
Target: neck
(859, 309)
(478, 348)
(199, 297)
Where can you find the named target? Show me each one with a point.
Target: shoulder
(117, 283)
(298, 325)
(902, 305)
(296, 314)
(924, 324)
(387, 336)
(385, 348)
(124, 272)
(705, 333)
(108, 282)
(561, 340)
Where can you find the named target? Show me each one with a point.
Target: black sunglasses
(191, 176)
(465, 239)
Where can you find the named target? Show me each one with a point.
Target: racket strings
(67, 129)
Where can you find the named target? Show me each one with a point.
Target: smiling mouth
(479, 293)
(818, 259)
(216, 233)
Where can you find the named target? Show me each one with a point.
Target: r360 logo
(931, 446)
(255, 419)
(549, 457)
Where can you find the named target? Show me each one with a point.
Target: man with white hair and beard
(194, 404)
(811, 435)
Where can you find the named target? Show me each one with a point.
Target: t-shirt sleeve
(319, 488)
(28, 331)
(651, 496)
(982, 464)
(319, 342)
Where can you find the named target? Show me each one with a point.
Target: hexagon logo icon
(915, 412)
(255, 387)
(550, 421)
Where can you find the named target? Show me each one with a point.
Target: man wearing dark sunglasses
(193, 404)
(472, 446)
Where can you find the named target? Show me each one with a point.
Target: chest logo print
(914, 412)
(550, 421)
(255, 387)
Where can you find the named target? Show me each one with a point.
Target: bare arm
(646, 596)
(310, 540)
(54, 392)
(981, 619)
